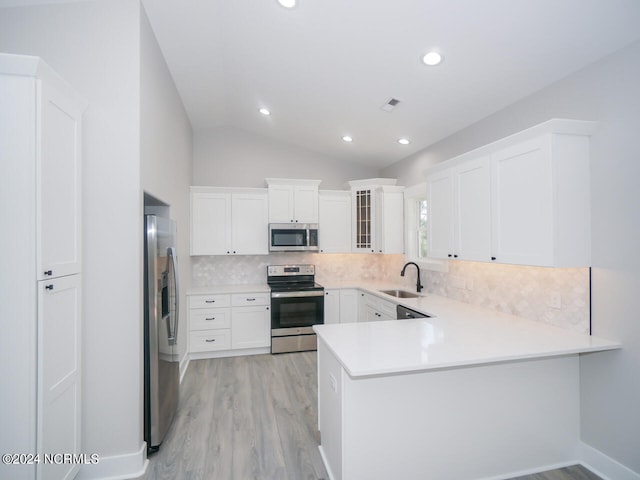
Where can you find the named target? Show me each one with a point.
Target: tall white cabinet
(40, 288)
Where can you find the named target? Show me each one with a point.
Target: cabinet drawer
(209, 301)
(210, 340)
(388, 308)
(209, 318)
(249, 299)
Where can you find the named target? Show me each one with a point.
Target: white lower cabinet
(348, 305)
(227, 322)
(250, 320)
(372, 308)
(331, 306)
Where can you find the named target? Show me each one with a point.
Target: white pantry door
(59, 374)
(58, 176)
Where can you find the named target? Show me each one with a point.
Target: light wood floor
(255, 417)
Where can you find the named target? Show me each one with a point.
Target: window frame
(413, 195)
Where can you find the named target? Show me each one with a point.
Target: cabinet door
(363, 201)
(389, 212)
(440, 214)
(305, 203)
(362, 306)
(210, 223)
(250, 224)
(331, 306)
(348, 305)
(334, 228)
(472, 230)
(522, 203)
(58, 185)
(250, 327)
(59, 373)
(281, 198)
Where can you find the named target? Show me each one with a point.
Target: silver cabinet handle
(209, 301)
(209, 319)
(209, 340)
(251, 299)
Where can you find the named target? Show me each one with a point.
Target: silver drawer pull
(209, 301)
(251, 299)
(209, 319)
(209, 340)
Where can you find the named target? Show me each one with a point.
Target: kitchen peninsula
(467, 394)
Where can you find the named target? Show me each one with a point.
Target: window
(421, 227)
(416, 228)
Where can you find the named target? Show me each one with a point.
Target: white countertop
(222, 289)
(458, 335)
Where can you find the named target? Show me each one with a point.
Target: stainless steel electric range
(297, 303)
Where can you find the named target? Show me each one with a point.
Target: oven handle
(314, 293)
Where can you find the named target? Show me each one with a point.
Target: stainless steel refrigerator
(161, 359)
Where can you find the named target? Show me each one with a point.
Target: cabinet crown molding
(291, 181)
(31, 66)
(559, 126)
(370, 182)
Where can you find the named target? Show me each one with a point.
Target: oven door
(296, 309)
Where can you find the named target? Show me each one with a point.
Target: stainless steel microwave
(293, 237)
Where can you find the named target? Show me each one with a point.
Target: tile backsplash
(557, 296)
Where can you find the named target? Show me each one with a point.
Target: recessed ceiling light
(347, 139)
(287, 3)
(264, 111)
(403, 141)
(432, 59)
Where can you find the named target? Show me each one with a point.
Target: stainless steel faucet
(418, 284)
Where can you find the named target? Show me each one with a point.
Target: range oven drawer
(294, 343)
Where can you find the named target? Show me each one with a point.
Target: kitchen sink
(400, 293)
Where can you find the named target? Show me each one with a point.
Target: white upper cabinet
(541, 202)
(210, 223)
(377, 216)
(522, 200)
(472, 215)
(59, 179)
(229, 221)
(440, 214)
(249, 223)
(293, 200)
(334, 225)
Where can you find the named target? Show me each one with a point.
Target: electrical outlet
(554, 300)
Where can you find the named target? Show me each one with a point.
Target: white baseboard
(604, 466)
(117, 467)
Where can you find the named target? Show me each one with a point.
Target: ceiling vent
(390, 105)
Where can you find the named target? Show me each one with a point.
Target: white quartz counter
(222, 289)
(457, 335)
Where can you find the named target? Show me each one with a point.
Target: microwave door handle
(173, 333)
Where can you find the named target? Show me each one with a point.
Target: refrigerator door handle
(173, 333)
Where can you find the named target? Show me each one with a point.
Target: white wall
(95, 46)
(229, 156)
(609, 92)
(166, 154)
